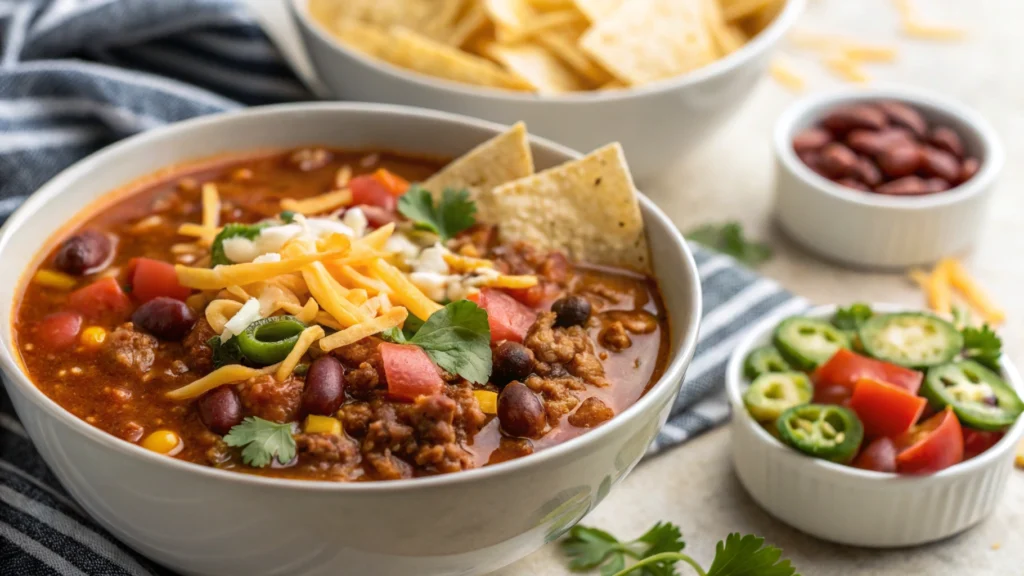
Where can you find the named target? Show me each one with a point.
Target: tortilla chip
(472, 22)
(587, 208)
(564, 43)
(504, 158)
(728, 37)
(598, 9)
(538, 67)
(382, 13)
(647, 40)
(407, 49)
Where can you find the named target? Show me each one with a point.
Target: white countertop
(694, 485)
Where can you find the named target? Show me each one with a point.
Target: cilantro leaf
(590, 547)
(409, 329)
(662, 537)
(247, 231)
(728, 239)
(224, 353)
(983, 346)
(851, 317)
(748, 556)
(458, 339)
(453, 213)
(263, 441)
(287, 216)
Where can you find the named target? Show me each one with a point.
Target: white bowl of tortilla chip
(202, 520)
(679, 69)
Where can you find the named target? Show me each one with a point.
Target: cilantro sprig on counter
(457, 338)
(659, 549)
(453, 212)
(262, 441)
(728, 239)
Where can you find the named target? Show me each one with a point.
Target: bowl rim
(768, 37)
(812, 106)
(736, 382)
(50, 191)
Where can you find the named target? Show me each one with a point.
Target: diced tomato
(393, 182)
(847, 367)
(409, 372)
(152, 278)
(377, 216)
(60, 329)
(978, 441)
(835, 394)
(368, 190)
(935, 444)
(508, 319)
(884, 409)
(102, 296)
(879, 455)
(540, 295)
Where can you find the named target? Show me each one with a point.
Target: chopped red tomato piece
(103, 295)
(847, 367)
(152, 278)
(60, 329)
(879, 455)
(393, 182)
(540, 295)
(978, 441)
(409, 371)
(368, 190)
(508, 319)
(885, 409)
(935, 444)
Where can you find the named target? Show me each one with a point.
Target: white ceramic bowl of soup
(657, 123)
(201, 520)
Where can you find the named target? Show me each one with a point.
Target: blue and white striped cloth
(76, 75)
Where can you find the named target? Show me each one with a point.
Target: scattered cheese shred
(376, 239)
(784, 74)
(867, 53)
(220, 311)
(331, 295)
(846, 68)
(392, 319)
(352, 276)
(319, 204)
(306, 339)
(405, 292)
(54, 279)
(246, 273)
(940, 294)
(328, 321)
(933, 32)
(357, 296)
(211, 206)
(219, 377)
(238, 292)
(204, 235)
(973, 292)
(1019, 460)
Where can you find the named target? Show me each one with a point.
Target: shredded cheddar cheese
(219, 377)
(319, 204)
(306, 339)
(973, 292)
(392, 319)
(405, 292)
(331, 295)
(787, 76)
(246, 273)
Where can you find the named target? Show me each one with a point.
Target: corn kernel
(55, 279)
(93, 336)
(1019, 460)
(322, 425)
(163, 442)
(487, 400)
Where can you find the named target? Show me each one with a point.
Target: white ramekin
(873, 230)
(860, 507)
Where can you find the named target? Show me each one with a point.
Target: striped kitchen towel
(76, 75)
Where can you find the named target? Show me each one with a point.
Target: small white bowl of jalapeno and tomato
(873, 425)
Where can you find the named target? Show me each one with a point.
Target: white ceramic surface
(873, 230)
(656, 124)
(200, 520)
(861, 507)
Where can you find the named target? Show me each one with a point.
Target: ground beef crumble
(132, 350)
(198, 354)
(570, 347)
(591, 413)
(615, 338)
(559, 395)
(265, 397)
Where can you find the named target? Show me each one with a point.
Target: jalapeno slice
(771, 394)
(764, 360)
(979, 397)
(912, 339)
(269, 340)
(824, 431)
(808, 342)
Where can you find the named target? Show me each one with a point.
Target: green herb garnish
(728, 239)
(851, 317)
(660, 548)
(287, 216)
(247, 231)
(262, 441)
(961, 317)
(224, 353)
(457, 338)
(453, 213)
(983, 346)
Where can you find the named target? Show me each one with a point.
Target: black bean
(520, 411)
(325, 386)
(220, 410)
(512, 361)
(83, 252)
(165, 318)
(571, 311)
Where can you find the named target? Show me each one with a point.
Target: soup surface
(275, 376)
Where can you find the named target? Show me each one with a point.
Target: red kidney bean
(512, 361)
(867, 172)
(325, 386)
(837, 161)
(968, 169)
(811, 139)
(901, 160)
(935, 162)
(165, 318)
(220, 410)
(945, 138)
(899, 114)
(906, 186)
(846, 118)
(854, 183)
(936, 185)
(520, 411)
(83, 252)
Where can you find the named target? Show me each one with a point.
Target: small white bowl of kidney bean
(884, 177)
